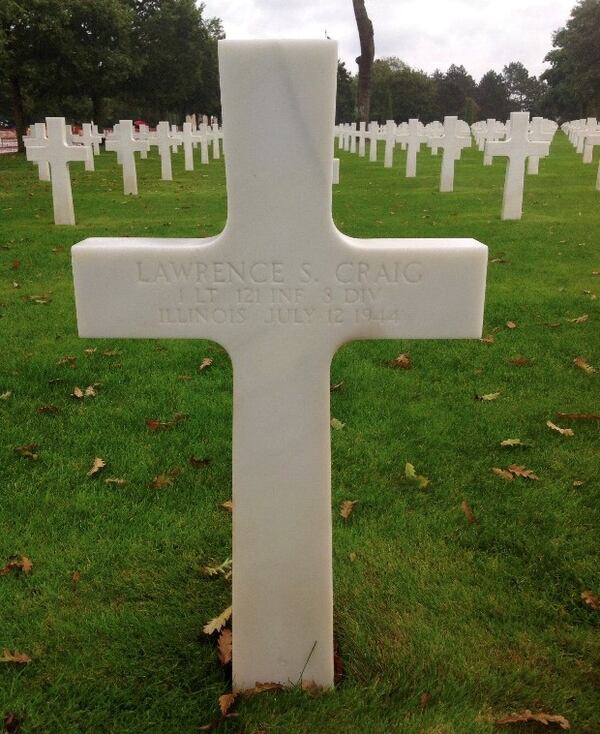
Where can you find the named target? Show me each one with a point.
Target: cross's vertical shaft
(279, 191)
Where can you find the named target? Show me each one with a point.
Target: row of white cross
(52, 146)
(524, 141)
(584, 135)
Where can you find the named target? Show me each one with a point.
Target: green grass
(487, 618)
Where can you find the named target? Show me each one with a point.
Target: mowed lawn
(443, 625)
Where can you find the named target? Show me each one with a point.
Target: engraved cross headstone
(517, 148)
(126, 145)
(414, 137)
(281, 289)
(452, 144)
(55, 151)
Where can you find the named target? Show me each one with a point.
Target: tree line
(568, 89)
(157, 59)
(107, 59)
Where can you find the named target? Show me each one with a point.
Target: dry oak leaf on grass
(527, 716)
(227, 505)
(154, 424)
(512, 442)
(97, 467)
(489, 397)
(224, 569)
(579, 416)
(28, 451)
(12, 725)
(346, 508)
(69, 359)
(468, 512)
(411, 473)
(558, 429)
(165, 480)
(14, 657)
(206, 362)
(48, 410)
(503, 473)
(224, 646)
(592, 600)
(22, 564)
(583, 365)
(488, 339)
(511, 325)
(521, 361)
(402, 361)
(521, 471)
(88, 392)
(216, 624)
(6, 395)
(336, 424)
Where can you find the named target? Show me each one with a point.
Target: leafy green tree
(574, 75)
(453, 89)
(345, 107)
(399, 92)
(492, 96)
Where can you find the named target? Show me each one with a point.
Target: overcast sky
(426, 34)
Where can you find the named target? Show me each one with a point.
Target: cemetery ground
(460, 598)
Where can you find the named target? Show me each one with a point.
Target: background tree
(365, 60)
(345, 96)
(399, 92)
(453, 89)
(492, 96)
(574, 75)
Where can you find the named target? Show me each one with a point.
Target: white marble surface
(281, 289)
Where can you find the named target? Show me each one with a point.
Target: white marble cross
(362, 136)
(204, 135)
(452, 143)
(93, 139)
(189, 137)
(55, 151)
(518, 147)
(143, 133)
(373, 134)
(537, 132)
(38, 134)
(414, 137)
(126, 145)
(165, 143)
(216, 135)
(390, 143)
(281, 289)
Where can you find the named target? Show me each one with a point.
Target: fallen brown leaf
(224, 646)
(216, 624)
(511, 325)
(468, 512)
(226, 701)
(425, 699)
(199, 463)
(14, 657)
(154, 424)
(165, 480)
(511, 442)
(489, 339)
(503, 474)
(521, 362)
(22, 564)
(68, 359)
(578, 483)
(346, 508)
(110, 352)
(206, 362)
(583, 365)
(489, 397)
(402, 361)
(28, 451)
(115, 480)
(16, 264)
(579, 416)
(352, 556)
(97, 466)
(337, 386)
(75, 578)
(558, 429)
(411, 473)
(521, 471)
(336, 424)
(227, 505)
(6, 395)
(48, 410)
(500, 261)
(540, 718)
(592, 600)
(12, 725)
(262, 688)
(580, 319)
